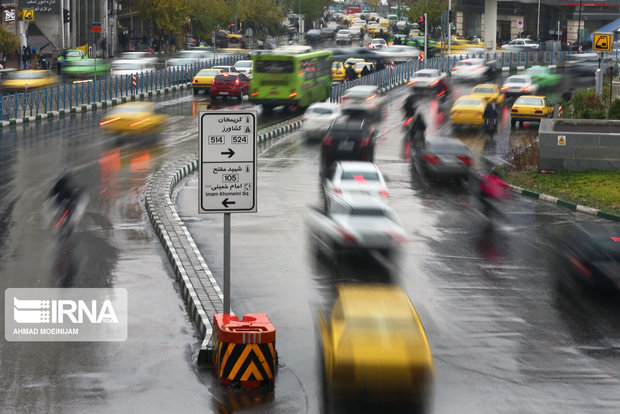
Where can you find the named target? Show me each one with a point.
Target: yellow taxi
(24, 80)
(460, 43)
(468, 110)
(133, 118)
(384, 23)
(338, 71)
(360, 26)
(233, 51)
(530, 108)
(353, 61)
(373, 29)
(489, 92)
(359, 66)
(375, 353)
(203, 80)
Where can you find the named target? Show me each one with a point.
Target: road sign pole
(226, 263)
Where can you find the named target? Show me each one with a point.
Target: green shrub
(614, 109)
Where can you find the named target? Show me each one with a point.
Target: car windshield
(536, 71)
(244, 64)
(423, 75)
(360, 66)
(26, 75)
(208, 72)
(274, 66)
(360, 176)
(83, 62)
(321, 111)
(314, 32)
(484, 90)
(336, 65)
(516, 80)
(225, 78)
(367, 211)
(523, 100)
(465, 102)
(529, 42)
(75, 53)
(343, 32)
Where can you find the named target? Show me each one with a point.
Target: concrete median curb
(200, 291)
(567, 204)
(91, 106)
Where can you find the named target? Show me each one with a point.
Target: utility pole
(425, 38)
(449, 25)
(62, 24)
(579, 27)
(236, 23)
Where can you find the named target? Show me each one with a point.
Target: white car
(354, 177)
(244, 66)
(127, 67)
(425, 77)
(520, 45)
(356, 32)
(378, 44)
(137, 56)
(356, 224)
(519, 85)
(399, 53)
(364, 99)
(318, 118)
(344, 36)
(472, 69)
(189, 57)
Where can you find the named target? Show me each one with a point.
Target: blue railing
(403, 71)
(66, 96)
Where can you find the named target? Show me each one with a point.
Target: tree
(311, 9)
(165, 16)
(210, 15)
(8, 41)
(432, 8)
(260, 14)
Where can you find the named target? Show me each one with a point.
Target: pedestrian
(173, 44)
(365, 71)
(350, 73)
(566, 96)
(380, 65)
(25, 57)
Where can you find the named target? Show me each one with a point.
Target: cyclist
(490, 119)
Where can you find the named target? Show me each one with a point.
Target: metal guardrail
(66, 96)
(404, 71)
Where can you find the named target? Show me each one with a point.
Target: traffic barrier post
(244, 351)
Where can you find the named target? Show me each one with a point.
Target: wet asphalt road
(507, 336)
(153, 370)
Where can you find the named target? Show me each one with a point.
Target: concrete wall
(514, 28)
(589, 144)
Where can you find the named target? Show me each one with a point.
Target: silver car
(344, 36)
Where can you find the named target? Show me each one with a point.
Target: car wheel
(513, 123)
(195, 91)
(241, 96)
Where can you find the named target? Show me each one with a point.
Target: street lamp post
(579, 27)
(538, 23)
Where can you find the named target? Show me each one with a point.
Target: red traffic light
(421, 20)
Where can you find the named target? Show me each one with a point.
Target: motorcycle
(490, 126)
(64, 216)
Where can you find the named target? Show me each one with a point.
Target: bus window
(274, 66)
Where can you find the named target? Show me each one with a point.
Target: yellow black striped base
(249, 364)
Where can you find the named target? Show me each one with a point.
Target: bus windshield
(274, 66)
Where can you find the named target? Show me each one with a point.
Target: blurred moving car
(318, 118)
(230, 84)
(189, 57)
(542, 76)
(355, 177)
(356, 224)
(430, 82)
(586, 63)
(348, 138)
(23, 80)
(590, 253)
(521, 45)
(364, 100)
(530, 108)
(225, 68)
(244, 66)
(519, 85)
(313, 35)
(378, 44)
(343, 36)
(468, 110)
(86, 68)
(128, 67)
(338, 72)
(399, 53)
(203, 80)
(441, 158)
(72, 54)
(133, 118)
(473, 69)
(489, 92)
(328, 33)
(356, 32)
(145, 57)
(374, 349)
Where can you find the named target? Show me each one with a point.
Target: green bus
(294, 76)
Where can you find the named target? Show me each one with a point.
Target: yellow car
(353, 61)
(203, 80)
(459, 43)
(373, 29)
(338, 71)
(375, 353)
(468, 110)
(360, 26)
(384, 24)
(530, 108)
(489, 92)
(133, 118)
(359, 66)
(24, 80)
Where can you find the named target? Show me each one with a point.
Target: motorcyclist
(491, 188)
(413, 118)
(64, 196)
(490, 118)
